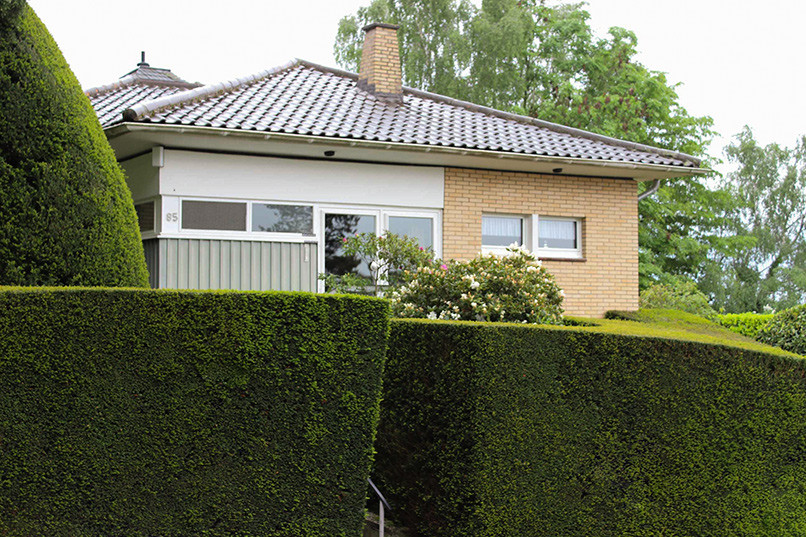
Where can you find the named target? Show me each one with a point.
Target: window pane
(501, 230)
(282, 218)
(145, 215)
(420, 229)
(337, 227)
(214, 215)
(557, 234)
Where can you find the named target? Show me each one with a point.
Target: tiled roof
(143, 84)
(307, 99)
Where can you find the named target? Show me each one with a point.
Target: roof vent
(143, 60)
(380, 72)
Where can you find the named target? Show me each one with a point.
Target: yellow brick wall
(607, 278)
(380, 61)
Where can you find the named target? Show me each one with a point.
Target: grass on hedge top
(674, 324)
(662, 324)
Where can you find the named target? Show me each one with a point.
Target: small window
(415, 227)
(559, 237)
(145, 215)
(214, 215)
(560, 234)
(501, 231)
(282, 218)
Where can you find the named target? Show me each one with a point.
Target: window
(498, 232)
(145, 215)
(559, 237)
(337, 228)
(214, 215)
(419, 228)
(282, 218)
(547, 236)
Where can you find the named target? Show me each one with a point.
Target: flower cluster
(510, 288)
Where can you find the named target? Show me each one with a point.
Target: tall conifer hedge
(66, 214)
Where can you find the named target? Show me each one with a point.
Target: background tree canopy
(739, 237)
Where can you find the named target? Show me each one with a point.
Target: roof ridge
(122, 82)
(149, 107)
(694, 161)
(130, 80)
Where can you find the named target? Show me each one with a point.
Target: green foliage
(493, 430)
(769, 186)
(514, 288)
(139, 413)
(387, 258)
(746, 324)
(787, 329)
(66, 215)
(9, 11)
(434, 49)
(679, 295)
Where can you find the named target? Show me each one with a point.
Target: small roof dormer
(156, 76)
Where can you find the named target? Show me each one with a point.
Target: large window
(214, 215)
(337, 228)
(275, 218)
(415, 227)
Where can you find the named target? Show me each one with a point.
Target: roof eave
(637, 171)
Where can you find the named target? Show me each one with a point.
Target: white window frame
(282, 236)
(559, 253)
(248, 234)
(527, 226)
(381, 215)
(436, 229)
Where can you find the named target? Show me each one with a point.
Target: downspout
(651, 190)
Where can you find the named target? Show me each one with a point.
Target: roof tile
(303, 98)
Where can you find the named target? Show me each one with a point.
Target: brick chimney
(380, 72)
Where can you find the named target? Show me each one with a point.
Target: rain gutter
(120, 129)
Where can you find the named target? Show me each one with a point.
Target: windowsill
(571, 259)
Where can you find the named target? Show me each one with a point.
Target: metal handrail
(381, 504)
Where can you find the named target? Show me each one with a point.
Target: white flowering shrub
(510, 288)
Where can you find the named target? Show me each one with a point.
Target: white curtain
(558, 233)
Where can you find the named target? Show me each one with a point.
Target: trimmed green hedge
(145, 413)
(66, 214)
(505, 430)
(786, 329)
(746, 324)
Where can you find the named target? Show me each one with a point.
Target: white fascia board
(133, 138)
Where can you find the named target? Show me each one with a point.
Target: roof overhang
(131, 139)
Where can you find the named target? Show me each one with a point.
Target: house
(251, 183)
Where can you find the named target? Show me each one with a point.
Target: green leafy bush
(66, 214)
(386, 257)
(512, 288)
(143, 413)
(681, 295)
(746, 324)
(499, 430)
(786, 329)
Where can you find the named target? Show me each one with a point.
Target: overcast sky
(740, 61)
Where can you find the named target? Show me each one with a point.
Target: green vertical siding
(151, 250)
(226, 264)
